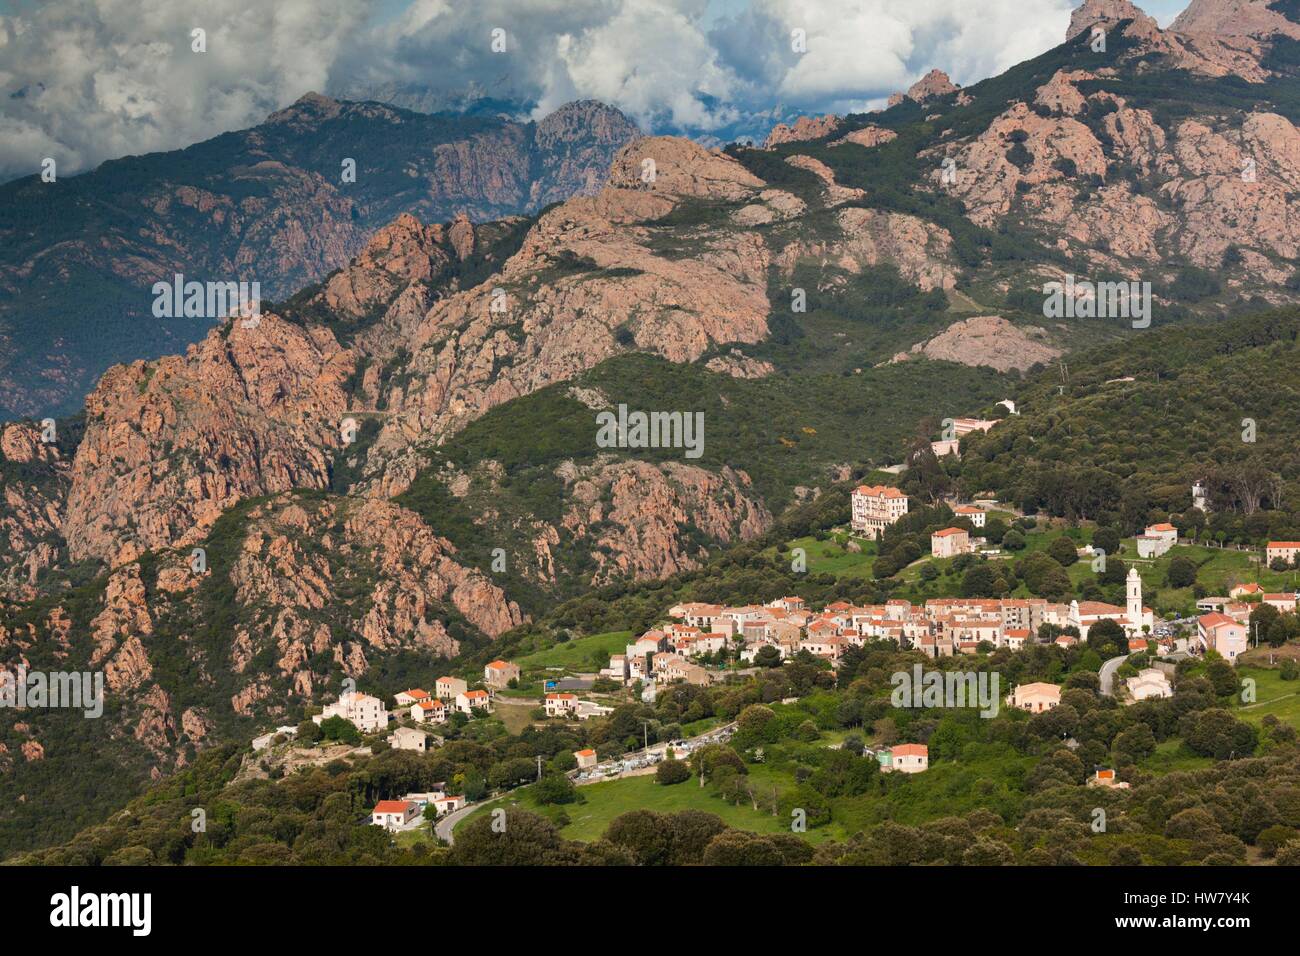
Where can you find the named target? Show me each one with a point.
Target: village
(702, 644)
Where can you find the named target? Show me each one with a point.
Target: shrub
(672, 771)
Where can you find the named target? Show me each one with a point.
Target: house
(1036, 697)
(617, 669)
(675, 669)
(1014, 638)
(447, 803)
(586, 758)
(950, 542)
(1286, 550)
(1105, 777)
(1150, 683)
(448, 688)
(976, 516)
(394, 814)
(1284, 602)
(1219, 632)
(1156, 540)
(406, 738)
(499, 674)
(433, 711)
(589, 708)
(964, 426)
(472, 700)
(561, 705)
(1243, 592)
(950, 446)
(408, 697)
(904, 758)
(876, 507)
(366, 713)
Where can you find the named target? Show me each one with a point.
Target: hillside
(1124, 440)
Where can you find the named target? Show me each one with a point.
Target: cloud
(88, 80)
(84, 81)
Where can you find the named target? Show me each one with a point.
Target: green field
(605, 801)
(575, 655)
(1273, 695)
(1173, 755)
(828, 557)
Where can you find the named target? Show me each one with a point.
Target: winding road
(1107, 674)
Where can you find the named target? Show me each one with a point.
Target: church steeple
(1134, 599)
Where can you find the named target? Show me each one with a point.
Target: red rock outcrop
(804, 128)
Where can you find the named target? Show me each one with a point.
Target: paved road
(443, 828)
(1108, 670)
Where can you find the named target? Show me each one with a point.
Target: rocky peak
(1235, 18)
(804, 128)
(1107, 13)
(679, 167)
(586, 121)
(307, 110)
(935, 83)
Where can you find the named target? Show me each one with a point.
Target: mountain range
(276, 204)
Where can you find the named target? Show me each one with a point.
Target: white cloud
(87, 80)
(104, 78)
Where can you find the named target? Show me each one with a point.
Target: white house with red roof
(472, 700)
(875, 508)
(408, 697)
(1286, 550)
(499, 674)
(1218, 632)
(586, 758)
(950, 542)
(446, 688)
(1156, 540)
(904, 758)
(976, 516)
(561, 705)
(394, 814)
(1284, 601)
(432, 711)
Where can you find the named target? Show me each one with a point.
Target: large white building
(875, 508)
(366, 713)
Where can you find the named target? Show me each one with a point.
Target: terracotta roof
(950, 531)
(585, 753)
(416, 693)
(878, 491)
(1284, 544)
(1214, 620)
(392, 806)
(910, 750)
